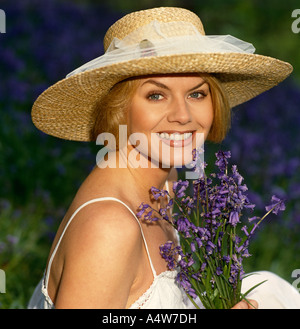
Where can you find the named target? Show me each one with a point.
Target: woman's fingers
(243, 305)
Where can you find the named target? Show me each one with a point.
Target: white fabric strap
(167, 187)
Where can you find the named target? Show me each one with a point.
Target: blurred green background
(40, 174)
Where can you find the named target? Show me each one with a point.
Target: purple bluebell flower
(245, 230)
(147, 213)
(203, 266)
(219, 270)
(222, 161)
(210, 248)
(193, 247)
(246, 253)
(184, 281)
(157, 193)
(183, 226)
(169, 253)
(251, 219)
(142, 209)
(234, 218)
(199, 242)
(276, 204)
(179, 188)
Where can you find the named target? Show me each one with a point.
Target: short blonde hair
(113, 109)
(222, 112)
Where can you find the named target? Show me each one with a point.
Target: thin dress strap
(75, 213)
(167, 186)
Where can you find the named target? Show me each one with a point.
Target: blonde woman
(160, 84)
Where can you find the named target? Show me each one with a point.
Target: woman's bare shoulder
(104, 222)
(102, 248)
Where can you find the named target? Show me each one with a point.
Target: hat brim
(67, 109)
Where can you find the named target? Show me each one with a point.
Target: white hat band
(160, 39)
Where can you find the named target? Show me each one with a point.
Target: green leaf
(249, 290)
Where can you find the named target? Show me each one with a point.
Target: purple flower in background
(12, 239)
(219, 270)
(276, 205)
(210, 247)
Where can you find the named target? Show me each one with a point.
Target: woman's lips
(176, 138)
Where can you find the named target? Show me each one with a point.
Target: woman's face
(172, 115)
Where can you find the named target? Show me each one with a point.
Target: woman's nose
(179, 112)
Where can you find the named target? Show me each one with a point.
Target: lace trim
(143, 299)
(139, 303)
(45, 293)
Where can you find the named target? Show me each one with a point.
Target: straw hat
(67, 109)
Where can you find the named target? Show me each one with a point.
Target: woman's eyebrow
(156, 83)
(199, 85)
(161, 85)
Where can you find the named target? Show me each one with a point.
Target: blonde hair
(222, 112)
(113, 109)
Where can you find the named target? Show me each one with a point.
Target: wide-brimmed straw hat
(163, 40)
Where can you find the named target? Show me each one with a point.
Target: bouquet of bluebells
(209, 258)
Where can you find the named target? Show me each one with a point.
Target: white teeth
(176, 136)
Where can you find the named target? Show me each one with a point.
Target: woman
(167, 83)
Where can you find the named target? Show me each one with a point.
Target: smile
(175, 136)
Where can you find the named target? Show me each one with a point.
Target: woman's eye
(197, 94)
(155, 97)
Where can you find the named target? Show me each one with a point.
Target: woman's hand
(243, 305)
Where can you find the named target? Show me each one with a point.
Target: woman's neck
(129, 174)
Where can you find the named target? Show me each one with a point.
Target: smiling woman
(163, 106)
(147, 101)
(113, 108)
(163, 79)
